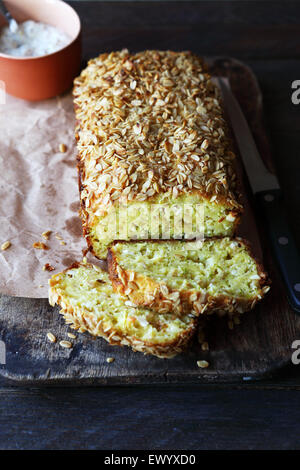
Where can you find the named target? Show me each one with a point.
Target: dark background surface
(262, 415)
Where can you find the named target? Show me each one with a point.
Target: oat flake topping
(151, 123)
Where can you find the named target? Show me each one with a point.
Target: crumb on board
(71, 335)
(110, 359)
(205, 346)
(58, 237)
(65, 344)
(48, 267)
(5, 245)
(202, 364)
(51, 337)
(62, 243)
(46, 234)
(40, 246)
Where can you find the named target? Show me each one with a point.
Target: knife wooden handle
(283, 243)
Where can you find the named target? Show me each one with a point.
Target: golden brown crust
(82, 212)
(82, 320)
(144, 291)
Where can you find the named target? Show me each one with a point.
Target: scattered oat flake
(48, 267)
(58, 236)
(40, 246)
(5, 245)
(65, 344)
(51, 337)
(70, 335)
(46, 234)
(110, 359)
(202, 364)
(62, 148)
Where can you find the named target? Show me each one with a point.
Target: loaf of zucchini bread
(155, 156)
(88, 303)
(220, 276)
(156, 165)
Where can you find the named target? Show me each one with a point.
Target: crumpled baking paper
(38, 192)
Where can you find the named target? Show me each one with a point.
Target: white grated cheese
(32, 39)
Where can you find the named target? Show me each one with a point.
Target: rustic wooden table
(262, 415)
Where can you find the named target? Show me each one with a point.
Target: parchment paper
(38, 192)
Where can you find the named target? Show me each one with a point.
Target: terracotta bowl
(38, 78)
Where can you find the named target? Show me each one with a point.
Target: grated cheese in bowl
(32, 39)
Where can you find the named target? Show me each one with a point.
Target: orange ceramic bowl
(38, 78)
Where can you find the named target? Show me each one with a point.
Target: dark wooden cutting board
(256, 348)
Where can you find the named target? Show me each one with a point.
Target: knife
(268, 195)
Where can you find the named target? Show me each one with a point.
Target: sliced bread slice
(89, 303)
(220, 275)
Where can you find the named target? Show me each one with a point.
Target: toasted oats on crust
(62, 148)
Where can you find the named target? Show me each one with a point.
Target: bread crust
(144, 291)
(84, 321)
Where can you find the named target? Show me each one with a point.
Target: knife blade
(266, 189)
(260, 178)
